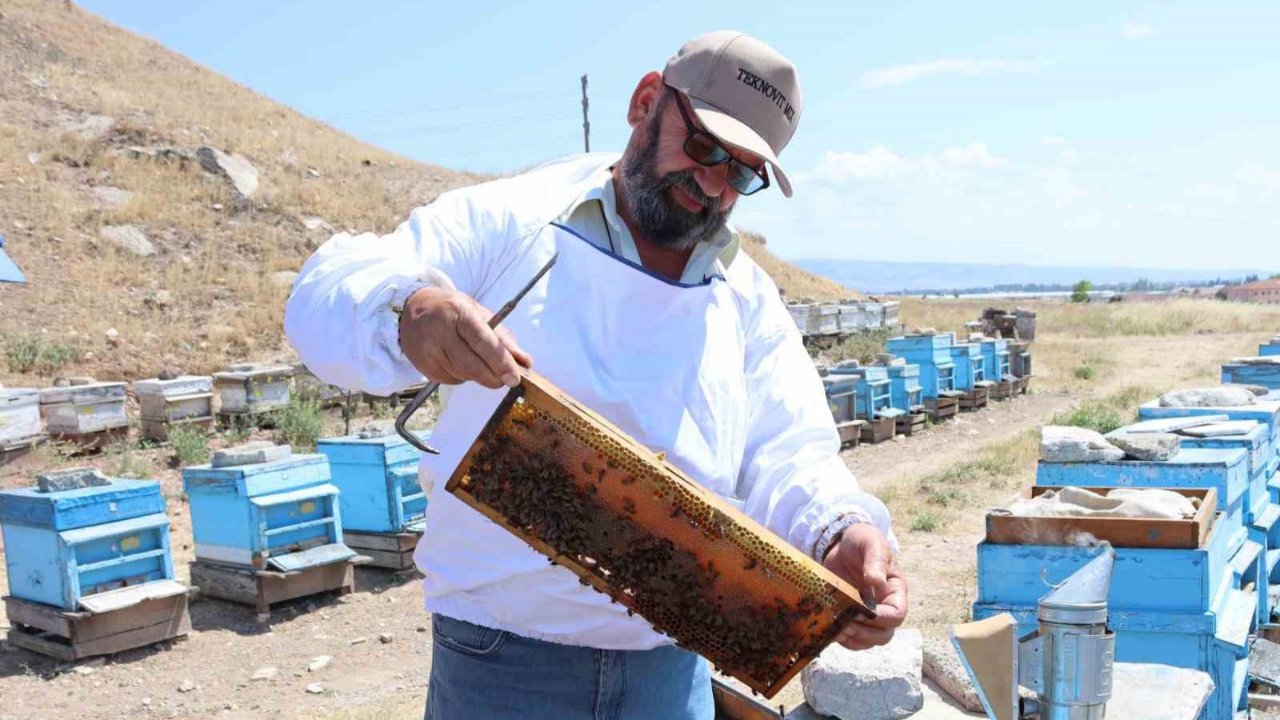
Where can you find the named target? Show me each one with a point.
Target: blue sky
(1083, 133)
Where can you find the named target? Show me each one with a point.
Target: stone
(250, 454)
(1174, 424)
(265, 673)
(242, 174)
(61, 382)
(319, 663)
(359, 641)
(315, 222)
(80, 380)
(315, 689)
(33, 157)
(882, 683)
(422, 628)
(1222, 396)
(1223, 429)
(85, 127)
(376, 430)
(313, 172)
(159, 298)
(1074, 444)
(71, 479)
(386, 638)
(169, 373)
(128, 238)
(111, 197)
(943, 667)
(83, 670)
(186, 686)
(1146, 446)
(284, 278)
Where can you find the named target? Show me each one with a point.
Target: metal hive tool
(593, 500)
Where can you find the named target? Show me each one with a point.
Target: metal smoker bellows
(1067, 662)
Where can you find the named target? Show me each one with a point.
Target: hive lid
(289, 473)
(388, 440)
(93, 392)
(18, 397)
(181, 385)
(250, 371)
(119, 499)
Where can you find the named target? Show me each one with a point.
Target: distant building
(1262, 291)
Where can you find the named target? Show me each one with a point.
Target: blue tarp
(9, 272)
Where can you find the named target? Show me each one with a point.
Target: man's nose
(712, 179)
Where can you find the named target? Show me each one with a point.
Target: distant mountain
(889, 277)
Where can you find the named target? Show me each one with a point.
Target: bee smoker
(1067, 662)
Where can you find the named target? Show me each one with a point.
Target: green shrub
(1084, 372)
(33, 354)
(126, 462)
(1093, 415)
(300, 424)
(190, 446)
(925, 522)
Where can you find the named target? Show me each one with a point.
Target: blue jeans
(478, 673)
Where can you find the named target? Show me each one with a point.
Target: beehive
(19, 416)
(970, 366)
(184, 400)
(828, 319)
(635, 528)
(892, 314)
(311, 388)
(84, 409)
(932, 353)
(81, 535)
(1270, 348)
(1264, 371)
(253, 388)
(904, 387)
(806, 317)
(376, 473)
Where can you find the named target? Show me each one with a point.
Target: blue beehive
(282, 514)
(932, 353)
(1186, 608)
(1270, 348)
(970, 366)
(842, 391)
(995, 356)
(377, 476)
(904, 388)
(1263, 514)
(871, 393)
(1252, 371)
(65, 545)
(1266, 412)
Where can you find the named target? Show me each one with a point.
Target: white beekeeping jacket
(714, 375)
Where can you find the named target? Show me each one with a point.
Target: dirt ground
(211, 671)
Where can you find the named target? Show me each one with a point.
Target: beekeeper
(654, 318)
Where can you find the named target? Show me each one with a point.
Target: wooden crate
(941, 407)
(910, 424)
(974, 399)
(263, 588)
(878, 430)
(72, 636)
(1002, 390)
(391, 551)
(850, 433)
(1004, 529)
(629, 512)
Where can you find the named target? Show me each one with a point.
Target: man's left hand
(864, 558)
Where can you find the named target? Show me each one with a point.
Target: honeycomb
(635, 528)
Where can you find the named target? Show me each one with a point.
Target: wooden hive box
(19, 416)
(250, 388)
(593, 500)
(184, 400)
(84, 409)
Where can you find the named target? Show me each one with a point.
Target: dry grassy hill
(99, 128)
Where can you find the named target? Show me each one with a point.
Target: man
(653, 318)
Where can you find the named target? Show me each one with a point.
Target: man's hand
(864, 558)
(446, 335)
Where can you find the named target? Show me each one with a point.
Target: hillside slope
(99, 128)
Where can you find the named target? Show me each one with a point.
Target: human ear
(645, 99)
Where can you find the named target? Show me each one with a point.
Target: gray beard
(662, 221)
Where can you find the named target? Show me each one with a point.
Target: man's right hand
(446, 335)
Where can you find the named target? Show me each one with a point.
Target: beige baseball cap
(743, 92)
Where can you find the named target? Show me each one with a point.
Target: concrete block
(1061, 444)
(878, 684)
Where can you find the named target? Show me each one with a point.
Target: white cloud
(1053, 140)
(1068, 155)
(878, 162)
(974, 154)
(899, 74)
(1134, 31)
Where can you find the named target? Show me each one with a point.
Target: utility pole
(586, 124)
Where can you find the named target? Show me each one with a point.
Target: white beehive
(253, 388)
(19, 415)
(828, 319)
(184, 400)
(84, 409)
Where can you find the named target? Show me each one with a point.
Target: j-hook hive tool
(430, 388)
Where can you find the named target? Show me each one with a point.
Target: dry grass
(793, 281)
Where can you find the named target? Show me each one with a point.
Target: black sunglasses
(705, 150)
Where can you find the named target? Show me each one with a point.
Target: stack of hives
(1188, 590)
(818, 321)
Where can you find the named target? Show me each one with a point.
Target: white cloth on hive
(1119, 503)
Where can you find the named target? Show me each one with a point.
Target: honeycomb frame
(772, 609)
